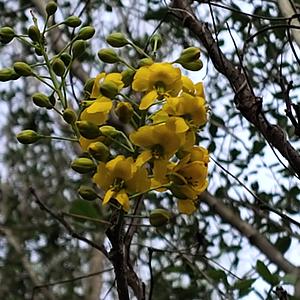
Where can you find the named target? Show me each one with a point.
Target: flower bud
(159, 217)
(78, 48)
(58, 67)
(99, 151)
(83, 165)
(196, 65)
(38, 50)
(176, 178)
(88, 130)
(189, 54)
(22, 68)
(108, 55)
(124, 111)
(41, 100)
(107, 130)
(7, 74)
(127, 77)
(88, 86)
(6, 35)
(69, 116)
(177, 192)
(109, 89)
(34, 33)
(85, 33)
(155, 41)
(66, 58)
(117, 40)
(51, 8)
(28, 137)
(72, 21)
(87, 193)
(147, 61)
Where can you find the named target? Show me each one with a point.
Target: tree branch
(249, 105)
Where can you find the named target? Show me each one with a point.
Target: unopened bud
(34, 33)
(88, 130)
(72, 21)
(107, 130)
(124, 111)
(51, 8)
(66, 58)
(38, 50)
(41, 100)
(189, 55)
(85, 33)
(87, 193)
(58, 67)
(117, 40)
(109, 89)
(108, 55)
(69, 116)
(88, 86)
(127, 77)
(83, 165)
(7, 74)
(28, 137)
(159, 217)
(196, 65)
(6, 35)
(78, 48)
(22, 68)
(148, 61)
(99, 151)
(155, 41)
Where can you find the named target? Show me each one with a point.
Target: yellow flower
(158, 81)
(192, 108)
(84, 143)
(186, 206)
(193, 89)
(120, 177)
(97, 112)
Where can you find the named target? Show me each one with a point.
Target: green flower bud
(28, 137)
(72, 21)
(22, 68)
(38, 50)
(78, 48)
(109, 89)
(7, 74)
(83, 165)
(127, 77)
(117, 40)
(88, 86)
(34, 33)
(88, 130)
(189, 55)
(146, 62)
(155, 41)
(108, 55)
(51, 8)
(177, 192)
(124, 111)
(107, 130)
(6, 35)
(66, 58)
(193, 66)
(99, 151)
(87, 193)
(58, 67)
(159, 217)
(69, 116)
(41, 100)
(85, 33)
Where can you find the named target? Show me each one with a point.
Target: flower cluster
(162, 111)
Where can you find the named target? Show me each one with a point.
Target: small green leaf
(265, 273)
(85, 209)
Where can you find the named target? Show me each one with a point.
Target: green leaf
(289, 279)
(85, 209)
(244, 286)
(265, 273)
(283, 244)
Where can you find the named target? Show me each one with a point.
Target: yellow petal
(160, 169)
(103, 177)
(141, 80)
(123, 199)
(177, 124)
(144, 157)
(108, 195)
(143, 137)
(186, 206)
(148, 100)
(139, 182)
(102, 105)
(96, 87)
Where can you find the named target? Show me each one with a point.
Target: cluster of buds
(161, 112)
